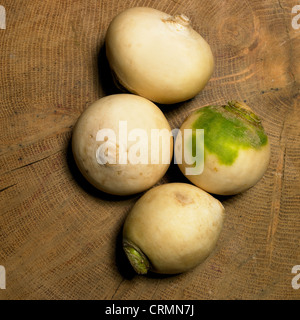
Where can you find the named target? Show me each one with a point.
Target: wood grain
(59, 237)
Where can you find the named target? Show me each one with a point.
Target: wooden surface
(59, 237)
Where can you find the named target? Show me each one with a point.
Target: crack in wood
(277, 192)
(116, 290)
(33, 162)
(8, 187)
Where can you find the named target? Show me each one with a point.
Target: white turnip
(158, 56)
(172, 228)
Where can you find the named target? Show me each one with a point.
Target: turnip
(113, 148)
(158, 56)
(236, 148)
(172, 228)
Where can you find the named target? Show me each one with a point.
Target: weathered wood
(59, 237)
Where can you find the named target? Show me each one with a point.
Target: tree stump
(59, 236)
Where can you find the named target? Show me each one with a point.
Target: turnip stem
(136, 257)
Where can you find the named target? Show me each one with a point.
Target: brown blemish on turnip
(183, 199)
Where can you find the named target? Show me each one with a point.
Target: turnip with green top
(236, 148)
